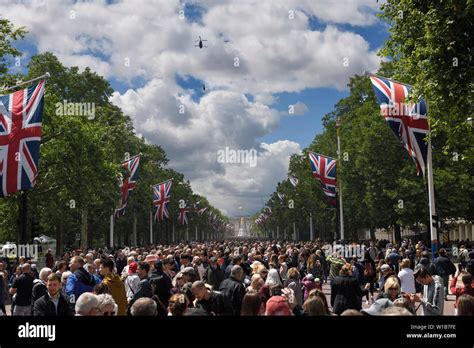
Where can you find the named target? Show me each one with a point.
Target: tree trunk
(83, 229)
(397, 234)
(59, 237)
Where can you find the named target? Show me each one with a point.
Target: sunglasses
(108, 313)
(393, 289)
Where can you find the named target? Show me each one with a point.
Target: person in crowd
(407, 280)
(295, 285)
(79, 281)
(308, 285)
(39, 285)
(391, 289)
(131, 280)
(465, 305)
(433, 292)
(335, 263)
(444, 268)
(278, 306)
(53, 303)
(213, 274)
(370, 275)
(256, 283)
(22, 289)
(251, 304)
(394, 260)
(107, 305)
(115, 285)
(386, 271)
(346, 292)
(233, 289)
(61, 267)
(87, 305)
(161, 283)
(49, 259)
(213, 302)
(144, 307)
(467, 287)
(314, 306)
(64, 277)
(273, 278)
(144, 287)
(177, 305)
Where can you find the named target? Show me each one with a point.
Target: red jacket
(459, 291)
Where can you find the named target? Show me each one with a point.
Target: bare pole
(42, 77)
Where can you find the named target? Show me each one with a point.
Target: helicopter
(200, 45)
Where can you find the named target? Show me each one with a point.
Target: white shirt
(408, 280)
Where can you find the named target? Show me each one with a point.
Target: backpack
(368, 270)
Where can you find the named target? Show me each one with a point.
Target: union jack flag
(281, 197)
(21, 115)
(409, 121)
(182, 216)
(161, 199)
(128, 184)
(201, 211)
(324, 170)
(293, 180)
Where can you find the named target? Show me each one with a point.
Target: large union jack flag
(182, 216)
(161, 199)
(324, 170)
(409, 121)
(21, 115)
(128, 183)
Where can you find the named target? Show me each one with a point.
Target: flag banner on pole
(293, 180)
(324, 170)
(127, 184)
(182, 216)
(21, 115)
(409, 121)
(281, 197)
(161, 199)
(201, 211)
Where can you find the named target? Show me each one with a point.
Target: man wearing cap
(386, 271)
(132, 281)
(378, 307)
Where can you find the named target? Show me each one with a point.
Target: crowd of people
(240, 278)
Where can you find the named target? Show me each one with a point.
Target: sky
(271, 69)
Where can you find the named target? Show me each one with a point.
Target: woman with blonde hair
(391, 289)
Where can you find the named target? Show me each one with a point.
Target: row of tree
(430, 47)
(77, 187)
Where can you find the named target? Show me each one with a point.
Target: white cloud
(146, 39)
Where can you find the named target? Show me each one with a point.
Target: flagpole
(431, 200)
(339, 184)
(112, 230)
(173, 231)
(310, 225)
(151, 227)
(196, 233)
(42, 77)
